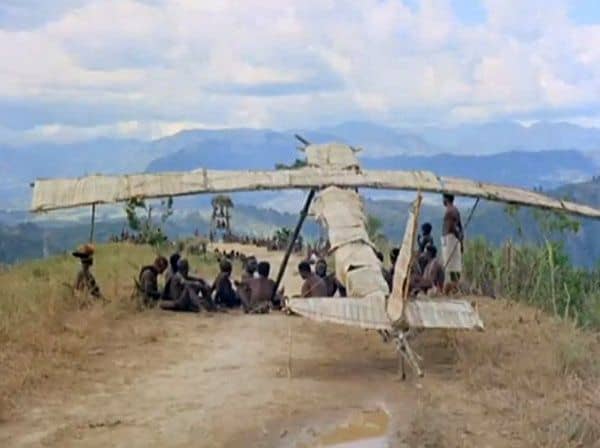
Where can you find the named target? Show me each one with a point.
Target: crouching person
(148, 281)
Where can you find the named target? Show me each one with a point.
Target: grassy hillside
(46, 331)
(538, 375)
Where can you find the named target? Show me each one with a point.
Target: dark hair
(225, 265)
(173, 259)
(426, 228)
(304, 266)
(264, 268)
(449, 197)
(182, 263)
(432, 250)
(394, 254)
(251, 264)
(161, 261)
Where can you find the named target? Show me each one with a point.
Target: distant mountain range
(498, 152)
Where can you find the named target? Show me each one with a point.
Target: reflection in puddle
(366, 429)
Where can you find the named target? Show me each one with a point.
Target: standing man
(85, 281)
(452, 240)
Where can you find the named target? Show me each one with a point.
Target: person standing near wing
(452, 240)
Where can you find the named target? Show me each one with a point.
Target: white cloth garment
(451, 253)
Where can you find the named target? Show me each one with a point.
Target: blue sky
(76, 69)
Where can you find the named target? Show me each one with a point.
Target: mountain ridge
(252, 148)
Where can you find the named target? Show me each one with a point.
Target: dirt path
(222, 380)
(216, 381)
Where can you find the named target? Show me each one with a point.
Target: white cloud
(292, 63)
(61, 133)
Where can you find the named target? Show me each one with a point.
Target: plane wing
(52, 194)
(442, 312)
(401, 280)
(364, 312)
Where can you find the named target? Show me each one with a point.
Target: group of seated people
(184, 292)
(254, 292)
(427, 273)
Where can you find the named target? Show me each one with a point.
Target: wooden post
(292, 242)
(93, 224)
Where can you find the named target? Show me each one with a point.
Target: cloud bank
(143, 67)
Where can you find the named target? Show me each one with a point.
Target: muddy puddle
(364, 429)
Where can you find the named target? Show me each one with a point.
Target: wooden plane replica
(333, 175)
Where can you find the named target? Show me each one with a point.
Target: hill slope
(108, 375)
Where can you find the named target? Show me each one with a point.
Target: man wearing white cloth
(452, 240)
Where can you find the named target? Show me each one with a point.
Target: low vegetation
(46, 330)
(529, 380)
(537, 275)
(536, 368)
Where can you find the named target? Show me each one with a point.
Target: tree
(282, 237)
(374, 228)
(298, 163)
(141, 223)
(221, 215)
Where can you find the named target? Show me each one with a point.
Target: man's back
(261, 290)
(176, 286)
(451, 220)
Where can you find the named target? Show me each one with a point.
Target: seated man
(332, 283)
(433, 275)
(148, 279)
(250, 268)
(425, 238)
(243, 286)
(183, 291)
(261, 291)
(224, 294)
(313, 285)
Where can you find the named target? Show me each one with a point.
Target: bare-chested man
(243, 286)
(250, 268)
(261, 288)
(333, 285)
(225, 295)
(433, 274)
(452, 239)
(313, 285)
(186, 293)
(148, 279)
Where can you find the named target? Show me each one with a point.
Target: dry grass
(427, 429)
(536, 377)
(47, 332)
